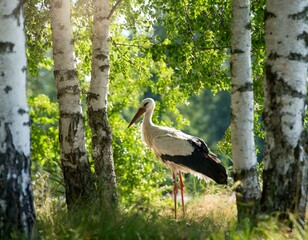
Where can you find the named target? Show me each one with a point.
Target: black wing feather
(201, 161)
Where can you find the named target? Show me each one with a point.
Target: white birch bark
(16, 201)
(97, 104)
(242, 114)
(100, 55)
(285, 167)
(75, 165)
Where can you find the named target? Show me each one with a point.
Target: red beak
(137, 115)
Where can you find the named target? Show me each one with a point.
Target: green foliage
(140, 178)
(82, 30)
(140, 67)
(38, 49)
(38, 35)
(45, 155)
(209, 116)
(42, 83)
(224, 146)
(191, 37)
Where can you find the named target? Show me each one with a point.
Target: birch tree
(16, 201)
(97, 104)
(285, 164)
(75, 165)
(242, 113)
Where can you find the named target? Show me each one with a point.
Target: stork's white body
(167, 141)
(179, 151)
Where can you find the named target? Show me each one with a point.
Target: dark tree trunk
(16, 202)
(97, 107)
(79, 182)
(104, 166)
(17, 216)
(285, 165)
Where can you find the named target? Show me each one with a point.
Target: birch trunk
(16, 201)
(75, 165)
(242, 113)
(285, 167)
(97, 105)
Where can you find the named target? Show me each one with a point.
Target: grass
(211, 215)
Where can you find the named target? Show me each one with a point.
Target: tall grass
(211, 215)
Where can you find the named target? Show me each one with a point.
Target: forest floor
(211, 215)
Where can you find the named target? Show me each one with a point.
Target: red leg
(182, 192)
(175, 191)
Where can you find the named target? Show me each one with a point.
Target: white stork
(179, 151)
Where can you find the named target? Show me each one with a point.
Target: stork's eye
(144, 105)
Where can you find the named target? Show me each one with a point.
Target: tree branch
(114, 8)
(153, 45)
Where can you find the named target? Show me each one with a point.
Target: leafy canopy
(168, 50)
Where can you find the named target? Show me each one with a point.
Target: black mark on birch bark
(22, 111)
(73, 90)
(248, 26)
(9, 138)
(243, 7)
(6, 47)
(232, 115)
(268, 15)
(65, 75)
(92, 95)
(273, 56)
(298, 57)
(59, 52)
(247, 87)
(61, 26)
(237, 51)
(73, 128)
(16, 12)
(104, 67)
(100, 19)
(278, 86)
(244, 173)
(101, 57)
(303, 15)
(304, 37)
(7, 89)
(70, 115)
(27, 123)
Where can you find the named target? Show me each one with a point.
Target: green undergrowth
(93, 223)
(208, 216)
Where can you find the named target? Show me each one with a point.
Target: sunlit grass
(219, 206)
(210, 215)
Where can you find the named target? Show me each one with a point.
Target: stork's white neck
(148, 117)
(148, 127)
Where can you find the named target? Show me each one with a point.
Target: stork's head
(145, 105)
